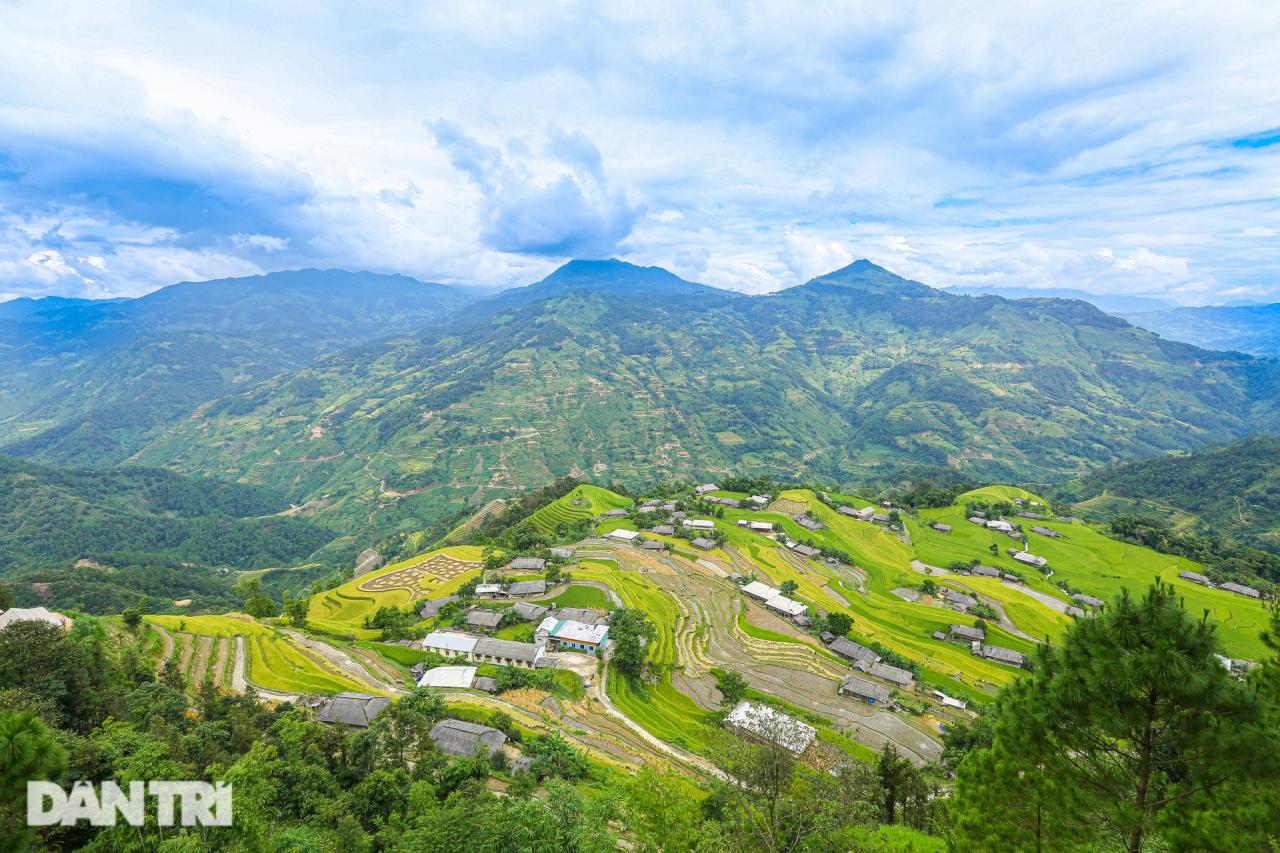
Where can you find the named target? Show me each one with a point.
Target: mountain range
(1254, 329)
(629, 374)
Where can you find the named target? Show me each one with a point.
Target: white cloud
(261, 242)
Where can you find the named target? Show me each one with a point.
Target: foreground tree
(1130, 729)
(630, 631)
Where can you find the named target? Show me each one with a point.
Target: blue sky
(1090, 146)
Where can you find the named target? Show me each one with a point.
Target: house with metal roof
(653, 545)
(465, 739)
(352, 709)
(1030, 559)
(808, 523)
(490, 590)
(703, 543)
(615, 513)
(764, 723)
(699, 524)
(1195, 577)
(34, 614)
(985, 571)
(448, 677)
(759, 591)
(806, 550)
(705, 488)
(867, 691)
(784, 606)
(569, 634)
(623, 534)
(527, 564)
(1045, 531)
(959, 600)
(1087, 600)
(562, 553)
(449, 643)
(940, 527)
(507, 653)
(663, 530)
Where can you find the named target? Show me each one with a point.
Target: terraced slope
(585, 501)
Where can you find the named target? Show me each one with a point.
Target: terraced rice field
(341, 611)
(274, 660)
(586, 501)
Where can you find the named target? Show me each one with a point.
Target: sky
(1112, 148)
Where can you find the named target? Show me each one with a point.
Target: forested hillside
(1231, 491)
(94, 539)
(1254, 329)
(87, 382)
(851, 373)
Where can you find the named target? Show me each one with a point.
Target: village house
(1045, 531)
(998, 654)
(985, 571)
(948, 701)
(702, 543)
(867, 691)
(448, 677)
(1072, 610)
(465, 739)
(623, 534)
(527, 564)
(959, 600)
(760, 591)
(757, 526)
(1240, 589)
(784, 606)
(1196, 577)
(699, 524)
(489, 590)
(978, 520)
(1087, 600)
(485, 683)
(760, 500)
(519, 589)
(356, 710)
(732, 503)
(852, 652)
(705, 488)
(764, 723)
(940, 527)
(562, 553)
(449, 643)
(808, 523)
(615, 513)
(893, 674)
(711, 499)
(1000, 524)
(528, 611)
(881, 518)
(569, 634)
(965, 633)
(432, 607)
(663, 530)
(480, 619)
(653, 545)
(507, 653)
(585, 615)
(1030, 559)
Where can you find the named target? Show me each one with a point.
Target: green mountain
(101, 539)
(88, 382)
(1254, 329)
(840, 378)
(1232, 491)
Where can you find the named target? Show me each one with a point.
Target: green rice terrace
(891, 582)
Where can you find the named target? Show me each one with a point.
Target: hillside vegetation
(842, 378)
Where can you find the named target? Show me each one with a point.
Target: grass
(578, 595)
(660, 709)
(585, 501)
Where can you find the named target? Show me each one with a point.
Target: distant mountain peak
(608, 276)
(867, 276)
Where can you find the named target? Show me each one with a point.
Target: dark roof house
(466, 740)
(849, 650)
(538, 587)
(861, 688)
(432, 608)
(352, 709)
(478, 617)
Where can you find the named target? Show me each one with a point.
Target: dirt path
(204, 648)
(1042, 597)
(166, 645)
(344, 662)
(926, 569)
(220, 661)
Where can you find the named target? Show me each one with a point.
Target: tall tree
(630, 631)
(1131, 728)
